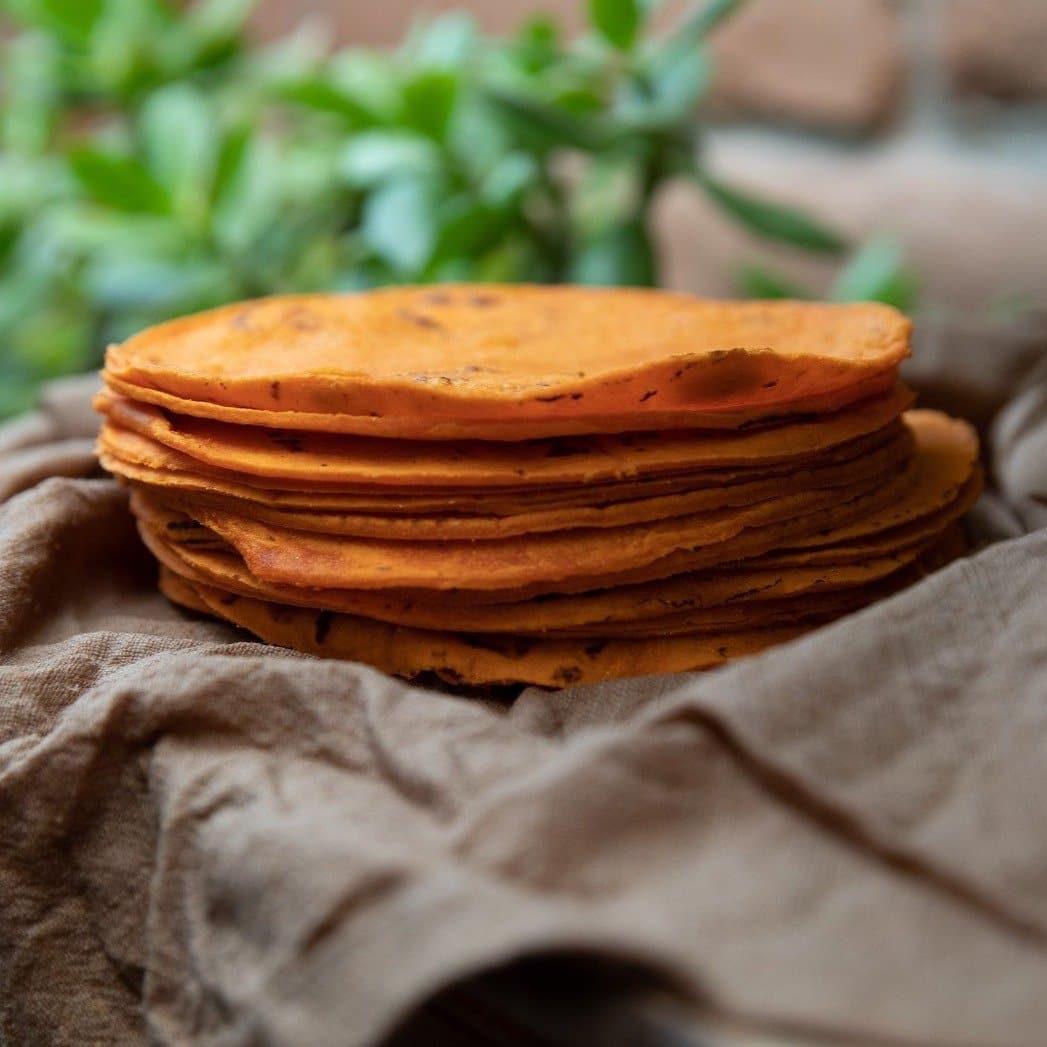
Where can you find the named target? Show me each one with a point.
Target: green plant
(875, 271)
(154, 162)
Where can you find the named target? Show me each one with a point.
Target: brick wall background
(924, 118)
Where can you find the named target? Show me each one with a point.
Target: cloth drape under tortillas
(204, 839)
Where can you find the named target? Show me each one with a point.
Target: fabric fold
(207, 840)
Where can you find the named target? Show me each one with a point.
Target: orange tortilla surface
(423, 357)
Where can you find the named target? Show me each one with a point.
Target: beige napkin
(205, 840)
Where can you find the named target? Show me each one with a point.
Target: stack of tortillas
(532, 485)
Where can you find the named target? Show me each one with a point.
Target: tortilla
(948, 454)
(897, 542)
(419, 360)
(560, 561)
(750, 543)
(855, 549)
(181, 592)
(323, 458)
(140, 459)
(741, 587)
(463, 658)
(822, 603)
(223, 494)
(550, 559)
(457, 527)
(505, 485)
(504, 428)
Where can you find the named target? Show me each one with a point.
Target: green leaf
(540, 30)
(510, 178)
(544, 126)
(617, 21)
(120, 182)
(247, 194)
(181, 145)
(429, 101)
(467, 228)
(20, 296)
(514, 260)
(119, 60)
(537, 43)
(232, 152)
(144, 283)
(456, 270)
(399, 224)
(771, 220)
(31, 92)
(29, 183)
(479, 137)
(696, 26)
(877, 273)
(297, 56)
(756, 282)
(578, 101)
(371, 81)
(609, 195)
(216, 22)
(374, 157)
(680, 84)
(51, 343)
(445, 42)
(325, 97)
(665, 93)
(77, 230)
(71, 19)
(622, 255)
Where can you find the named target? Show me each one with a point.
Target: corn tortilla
(743, 586)
(456, 527)
(468, 659)
(139, 458)
(773, 542)
(280, 455)
(467, 351)
(500, 427)
(545, 559)
(855, 549)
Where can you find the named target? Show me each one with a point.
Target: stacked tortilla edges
(533, 485)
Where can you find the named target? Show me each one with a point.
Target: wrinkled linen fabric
(207, 840)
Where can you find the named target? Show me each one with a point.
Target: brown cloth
(205, 840)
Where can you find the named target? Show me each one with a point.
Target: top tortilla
(513, 354)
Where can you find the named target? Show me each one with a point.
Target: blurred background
(925, 117)
(157, 157)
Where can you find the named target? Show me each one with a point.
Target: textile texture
(207, 840)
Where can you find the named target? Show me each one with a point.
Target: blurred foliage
(875, 271)
(154, 162)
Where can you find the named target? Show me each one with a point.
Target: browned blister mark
(567, 674)
(420, 320)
